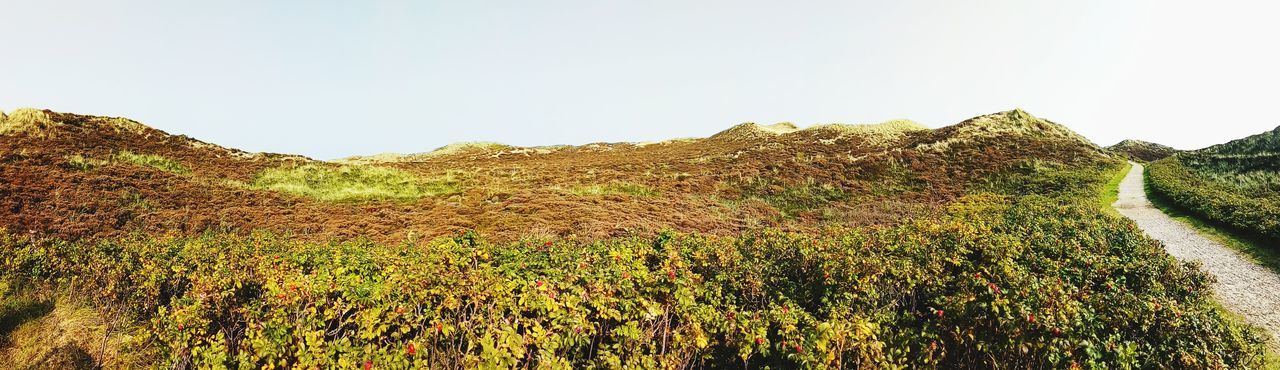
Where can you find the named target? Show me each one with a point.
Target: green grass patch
(1110, 192)
(153, 161)
(614, 188)
(792, 199)
(354, 183)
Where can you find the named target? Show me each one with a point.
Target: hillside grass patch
(154, 161)
(1110, 193)
(354, 183)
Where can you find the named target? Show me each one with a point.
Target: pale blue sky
(331, 79)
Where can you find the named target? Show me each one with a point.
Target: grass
(25, 120)
(81, 163)
(1271, 357)
(614, 188)
(153, 161)
(1111, 191)
(354, 183)
(792, 199)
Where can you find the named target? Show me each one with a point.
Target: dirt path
(1243, 287)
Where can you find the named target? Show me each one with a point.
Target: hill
(1142, 151)
(73, 181)
(976, 245)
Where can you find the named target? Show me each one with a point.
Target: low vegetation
(151, 160)
(615, 188)
(999, 282)
(1236, 184)
(979, 245)
(353, 183)
(1210, 199)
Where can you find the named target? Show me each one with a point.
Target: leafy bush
(354, 182)
(152, 160)
(1214, 198)
(996, 282)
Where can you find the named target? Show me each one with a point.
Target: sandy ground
(1246, 288)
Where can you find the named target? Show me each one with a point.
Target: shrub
(1239, 206)
(353, 183)
(997, 282)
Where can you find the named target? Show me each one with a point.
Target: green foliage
(151, 160)
(1239, 206)
(615, 188)
(354, 183)
(997, 282)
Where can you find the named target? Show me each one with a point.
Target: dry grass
(26, 120)
(154, 161)
(354, 183)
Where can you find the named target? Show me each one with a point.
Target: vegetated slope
(975, 245)
(1235, 184)
(1142, 151)
(68, 179)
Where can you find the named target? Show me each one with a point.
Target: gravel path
(1243, 287)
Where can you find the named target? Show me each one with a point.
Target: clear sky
(331, 79)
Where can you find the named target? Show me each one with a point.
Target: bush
(1240, 206)
(353, 183)
(1030, 282)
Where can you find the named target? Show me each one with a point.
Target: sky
(330, 79)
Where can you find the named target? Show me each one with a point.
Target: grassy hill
(1142, 151)
(981, 244)
(1236, 184)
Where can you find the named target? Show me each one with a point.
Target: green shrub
(353, 183)
(152, 160)
(998, 282)
(1239, 206)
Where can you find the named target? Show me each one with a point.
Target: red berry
(799, 348)
(759, 341)
(977, 275)
(940, 313)
(1031, 318)
(539, 282)
(412, 351)
(671, 274)
(439, 328)
(368, 365)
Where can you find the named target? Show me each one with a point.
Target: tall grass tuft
(151, 160)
